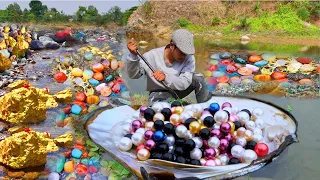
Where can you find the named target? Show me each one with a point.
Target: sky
(71, 6)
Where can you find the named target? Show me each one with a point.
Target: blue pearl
(214, 107)
(158, 136)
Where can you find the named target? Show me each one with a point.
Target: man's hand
(132, 46)
(159, 76)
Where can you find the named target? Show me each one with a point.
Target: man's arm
(183, 81)
(134, 67)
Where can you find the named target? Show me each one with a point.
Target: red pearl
(60, 77)
(261, 149)
(140, 147)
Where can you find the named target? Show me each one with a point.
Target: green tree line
(40, 13)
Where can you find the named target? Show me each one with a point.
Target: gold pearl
(149, 126)
(178, 110)
(248, 135)
(158, 116)
(194, 127)
(240, 131)
(234, 135)
(232, 126)
(203, 126)
(143, 154)
(175, 119)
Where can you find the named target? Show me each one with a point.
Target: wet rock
(97, 176)
(16, 174)
(31, 175)
(53, 176)
(245, 38)
(3, 126)
(3, 171)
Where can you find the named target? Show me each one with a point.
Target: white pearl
(220, 116)
(188, 108)
(140, 130)
(213, 142)
(241, 141)
(250, 125)
(137, 139)
(149, 125)
(235, 110)
(158, 116)
(157, 107)
(126, 129)
(218, 161)
(229, 109)
(197, 109)
(224, 159)
(198, 142)
(243, 117)
(260, 123)
(203, 161)
(171, 149)
(216, 126)
(143, 120)
(169, 140)
(181, 131)
(217, 150)
(189, 135)
(257, 138)
(196, 154)
(204, 116)
(184, 116)
(237, 151)
(165, 105)
(257, 131)
(249, 156)
(257, 112)
(125, 144)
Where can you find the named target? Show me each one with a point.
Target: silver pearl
(170, 140)
(140, 130)
(243, 117)
(125, 144)
(157, 107)
(137, 139)
(220, 116)
(237, 151)
(249, 156)
(257, 138)
(171, 149)
(250, 125)
(224, 159)
(181, 131)
(196, 154)
(260, 123)
(257, 112)
(158, 116)
(188, 135)
(241, 141)
(184, 116)
(126, 129)
(257, 131)
(214, 142)
(198, 142)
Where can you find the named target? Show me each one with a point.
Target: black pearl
(167, 157)
(181, 159)
(237, 125)
(179, 141)
(148, 114)
(169, 128)
(179, 151)
(162, 148)
(204, 133)
(128, 136)
(189, 145)
(158, 124)
(195, 162)
(188, 121)
(188, 160)
(251, 145)
(209, 121)
(231, 145)
(234, 161)
(227, 113)
(157, 156)
(247, 111)
(166, 113)
(175, 103)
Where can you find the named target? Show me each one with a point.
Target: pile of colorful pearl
(214, 136)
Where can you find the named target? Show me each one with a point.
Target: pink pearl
(225, 127)
(136, 124)
(210, 163)
(226, 104)
(148, 135)
(150, 144)
(223, 144)
(210, 153)
(228, 137)
(233, 117)
(142, 109)
(216, 133)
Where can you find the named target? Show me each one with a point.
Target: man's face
(178, 55)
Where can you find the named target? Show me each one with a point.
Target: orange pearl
(143, 154)
(175, 119)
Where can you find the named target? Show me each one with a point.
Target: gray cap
(183, 39)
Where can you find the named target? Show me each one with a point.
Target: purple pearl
(210, 153)
(142, 109)
(216, 133)
(228, 137)
(150, 144)
(225, 127)
(223, 144)
(226, 104)
(148, 135)
(136, 124)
